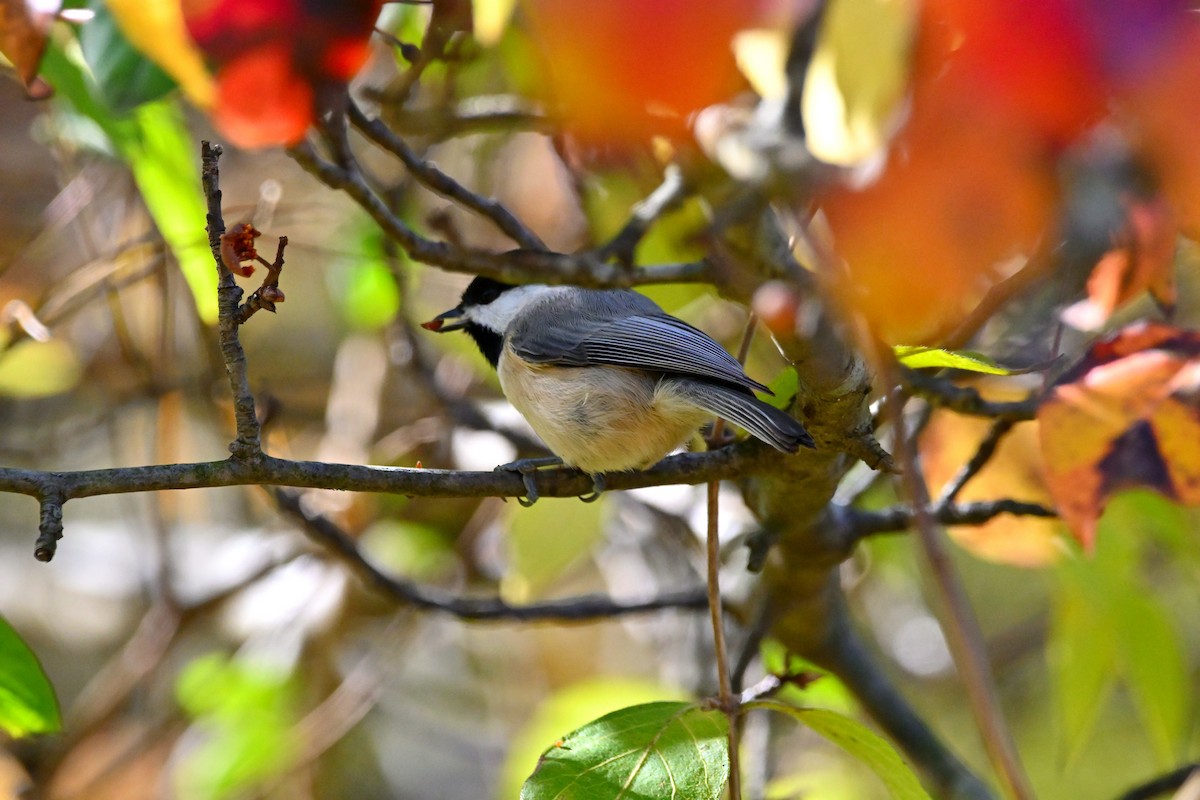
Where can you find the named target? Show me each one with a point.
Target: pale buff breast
(628, 420)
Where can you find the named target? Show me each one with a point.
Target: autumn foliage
(1001, 94)
(279, 64)
(622, 71)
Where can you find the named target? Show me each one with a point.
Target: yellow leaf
(857, 78)
(158, 31)
(491, 18)
(761, 56)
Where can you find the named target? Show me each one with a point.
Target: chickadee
(608, 379)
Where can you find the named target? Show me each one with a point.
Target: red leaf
(278, 60)
(1128, 415)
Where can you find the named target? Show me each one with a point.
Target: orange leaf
(1128, 415)
(23, 27)
(621, 71)
(1015, 471)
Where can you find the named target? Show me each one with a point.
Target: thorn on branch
(50, 525)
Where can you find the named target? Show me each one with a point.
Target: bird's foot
(597, 489)
(527, 468)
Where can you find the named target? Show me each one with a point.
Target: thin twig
(518, 266)
(856, 523)
(725, 694)
(742, 458)
(983, 454)
(965, 399)
(268, 294)
(667, 197)
(962, 629)
(482, 114)
(247, 446)
(572, 609)
(434, 179)
(728, 702)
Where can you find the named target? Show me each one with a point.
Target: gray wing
(621, 329)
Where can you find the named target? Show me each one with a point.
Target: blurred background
(202, 647)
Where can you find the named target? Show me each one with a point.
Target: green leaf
(154, 142)
(246, 719)
(165, 163)
(27, 702)
(124, 77)
(39, 369)
(567, 709)
(1155, 669)
(785, 385)
(645, 752)
(827, 691)
(1109, 627)
(1082, 656)
(859, 741)
(916, 357)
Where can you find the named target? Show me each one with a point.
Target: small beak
(451, 320)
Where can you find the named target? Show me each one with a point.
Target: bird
(606, 378)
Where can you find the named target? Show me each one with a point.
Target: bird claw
(527, 468)
(597, 489)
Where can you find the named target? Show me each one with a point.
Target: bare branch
(269, 293)
(50, 523)
(431, 177)
(967, 400)
(248, 444)
(1160, 786)
(572, 609)
(667, 197)
(856, 524)
(962, 629)
(983, 454)
(517, 266)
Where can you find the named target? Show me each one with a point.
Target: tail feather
(763, 421)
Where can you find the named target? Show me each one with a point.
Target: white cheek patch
(498, 314)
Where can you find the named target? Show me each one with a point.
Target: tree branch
(517, 266)
(667, 197)
(962, 629)
(434, 179)
(966, 399)
(53, 489)
(1157, 787)
(247, 446)
(573, 609)
(983, 454)
(855, 524)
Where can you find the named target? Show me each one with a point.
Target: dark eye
(489, 295)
